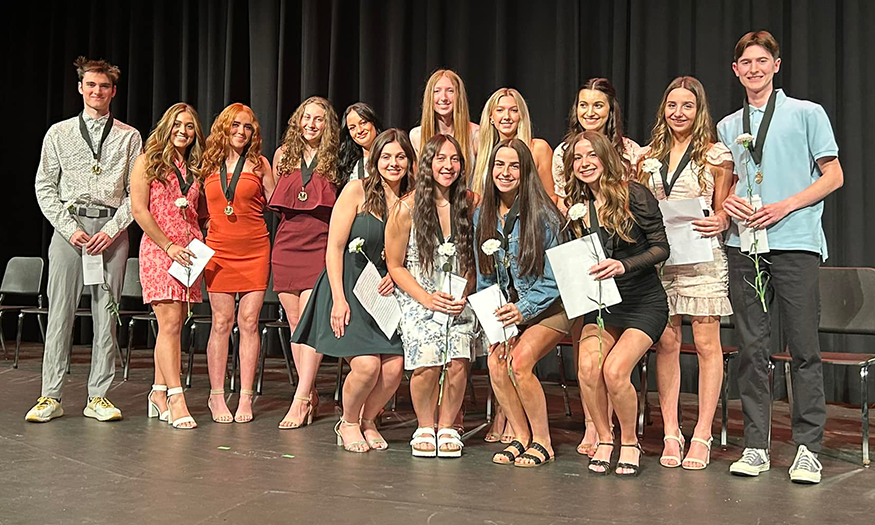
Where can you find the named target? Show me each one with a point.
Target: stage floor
(77, 470)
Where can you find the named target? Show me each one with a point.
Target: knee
(615, 377)
(222, 324)
(497, 367)
(457, 368)
(172, 326)
(248, 322)
(366, 369)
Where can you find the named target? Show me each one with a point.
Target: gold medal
(759, 177)
(229, 210)
(95, 169)
(302, 195)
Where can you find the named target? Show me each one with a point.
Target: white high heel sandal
(153, 410)
(176, 423)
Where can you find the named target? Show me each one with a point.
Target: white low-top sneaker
(753, 461)
(806, 468)
(101, 409)
(46, 409)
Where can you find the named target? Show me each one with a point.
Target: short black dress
(362, 335)
(644, 304)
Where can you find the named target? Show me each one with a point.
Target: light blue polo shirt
(799, 135)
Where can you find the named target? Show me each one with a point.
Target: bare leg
(363, 376)
(248, 313)
(668, 382)
(509, 400)
(424, 392)
(454, 394)
(307, 363)
(706, 334)
(159, 398)
(168, 350)
(590, 361)
(391, 371)
(222, 306)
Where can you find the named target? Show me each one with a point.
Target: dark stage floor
(77, 470)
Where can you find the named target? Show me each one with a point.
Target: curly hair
(703, 134)
(375, 194)
(536, 211)
(613, 126)
(293, 142)
(425, 214)
(159, 152)
(350, 152)
(219, 141)
(614, 215)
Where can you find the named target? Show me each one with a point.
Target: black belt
(95, 213)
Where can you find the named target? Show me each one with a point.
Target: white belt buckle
(92, 213)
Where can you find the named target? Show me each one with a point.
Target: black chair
(23, 276)
(847, 307)
(271, 298)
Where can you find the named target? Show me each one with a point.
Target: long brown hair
(219, 141)
(536, 211)
(375, 194)
(425, 214)
(614, 215)
(461, 114)
(329, 143)
(613, 126)
(703, 135)
(159, 151)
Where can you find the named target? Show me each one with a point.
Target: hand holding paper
(581, 292)
(484, 304)
(187, 276)
(383, 308)
(687, 245)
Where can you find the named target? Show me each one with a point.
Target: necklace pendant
(506, 260)
(759, 177)
(95, 169)
(302, 195)
(229, 210)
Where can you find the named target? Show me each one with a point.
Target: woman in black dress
(334, 321)
(628, 222)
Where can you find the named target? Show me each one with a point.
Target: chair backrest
(131, 286)
(847, 300)
(24, 275)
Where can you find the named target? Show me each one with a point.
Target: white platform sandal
(422, 436)
(153, 410)
(177, 423)
(449, 436)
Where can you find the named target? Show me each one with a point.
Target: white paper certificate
(748, 235)
(580, 292)
(687, 245)
(453, 285)
(92, 268)
(384, 309)
(203, 254)
(484, 303)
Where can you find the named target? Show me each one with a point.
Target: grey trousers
(794, 285)
(64, 291)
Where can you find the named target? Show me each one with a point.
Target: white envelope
(92, 268)
(580, 292)
(453, 285)
(203, 254)
(687, 245)
(748, 235)
(383, 309)
(484, 303)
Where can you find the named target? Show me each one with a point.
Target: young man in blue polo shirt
(792, 165)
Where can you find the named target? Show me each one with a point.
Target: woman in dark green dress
(334, 321)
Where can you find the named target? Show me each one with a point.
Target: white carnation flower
(181, 203)
(356, 244)
(447, 249)
(491, 246)
(744, 139)
(577, 211)
(651, 166)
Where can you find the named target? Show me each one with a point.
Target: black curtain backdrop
(271, 55)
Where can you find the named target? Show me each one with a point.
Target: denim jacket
(536, 292)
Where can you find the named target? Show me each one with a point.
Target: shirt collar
(89, 120)
(779, 99)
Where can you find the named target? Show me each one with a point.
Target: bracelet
(169, 244)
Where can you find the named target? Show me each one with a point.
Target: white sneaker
(101, 409)
(46, 409)
(753, 461)
(806, 468)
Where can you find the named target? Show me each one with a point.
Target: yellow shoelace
(102, 402)
(43, 402)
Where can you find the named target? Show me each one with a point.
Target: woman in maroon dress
(306, 179)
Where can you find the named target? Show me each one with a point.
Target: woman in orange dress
(306, 189)
(238, 183)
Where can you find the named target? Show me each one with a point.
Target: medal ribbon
(83, 129)
(756, 149)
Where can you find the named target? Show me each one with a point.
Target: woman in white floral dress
(420, 260)
(692, 165)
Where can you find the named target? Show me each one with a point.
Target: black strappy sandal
(605, 464)
(517, 445)
(536, 461)
(636, 469)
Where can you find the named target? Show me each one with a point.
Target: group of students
(455, 202)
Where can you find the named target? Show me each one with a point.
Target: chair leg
(3, 337)
(489, 399)
(864, 401)
(338, 390)
(563, 381)
(235, 340)
(789, 380)
(285, 346)
(771, 399)
(18, 340)
(154, 326)
(192, 334)
(261, 360)
(643, 406)
(127, 370)
(724, 403)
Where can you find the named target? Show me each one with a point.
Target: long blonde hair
(461, 114)
(159, 149)
(703, 134)
(614, 215)
(489, 137)
(219, 141)
(329, 143)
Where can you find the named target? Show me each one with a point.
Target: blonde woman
(506, 116)
(306, 190)
(165, 188)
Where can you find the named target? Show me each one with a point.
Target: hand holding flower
(769, 214)
(509, 314)
(97, 243)
(737, 208)
(181, 255)
(444, 303)
(712, 225)
(606, 269)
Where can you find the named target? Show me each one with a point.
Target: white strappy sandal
(153, 410)
(423, 436)
(177, 423)
(449, 436)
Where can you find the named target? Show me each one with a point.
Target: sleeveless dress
(302, 236)
(697, 289)
(180, 226)
(241, 240)
(424, 339)
(362, 336)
